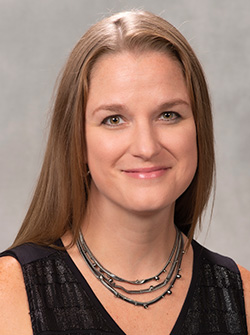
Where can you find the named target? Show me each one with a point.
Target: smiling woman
(126, 177)
(151, 139)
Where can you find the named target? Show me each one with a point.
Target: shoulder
(15, 274)
(231, 281)
(215, 259)
(27, 253)
(245, 275)
(9, 266)
(11, 277)
(13, 299)
(225, 272)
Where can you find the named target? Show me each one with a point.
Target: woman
(127, 174)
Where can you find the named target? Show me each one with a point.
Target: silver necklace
(170, 271)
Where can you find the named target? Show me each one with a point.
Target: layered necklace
(164, 279)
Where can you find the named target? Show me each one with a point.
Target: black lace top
(62, 302)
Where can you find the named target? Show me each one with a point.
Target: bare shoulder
(245, 275)
(13, 299)
(9, 263)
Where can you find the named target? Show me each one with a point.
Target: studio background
(36, 37)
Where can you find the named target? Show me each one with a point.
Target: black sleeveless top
(62, 302)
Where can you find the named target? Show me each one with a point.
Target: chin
(147, 207)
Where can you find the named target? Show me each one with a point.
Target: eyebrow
(110, 107)
(120, 107)
(174, 102)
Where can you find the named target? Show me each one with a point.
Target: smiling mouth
(146, 173)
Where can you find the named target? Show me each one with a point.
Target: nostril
(145, 144)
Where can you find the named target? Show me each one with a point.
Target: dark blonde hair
(60, 198)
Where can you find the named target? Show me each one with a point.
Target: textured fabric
(58, 304)
(61, 301)
(217, 304)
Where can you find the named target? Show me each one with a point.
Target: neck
(124, 241)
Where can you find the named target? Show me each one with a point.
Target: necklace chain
(172, 268)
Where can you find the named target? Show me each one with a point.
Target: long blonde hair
(60, 199)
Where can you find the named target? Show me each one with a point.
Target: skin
(131, 209)
(127, 133)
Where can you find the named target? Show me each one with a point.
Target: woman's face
(140, 132)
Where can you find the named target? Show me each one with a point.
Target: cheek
(189, 146)
(182, 143)
(186, 156)
(102, 149)
(189, 152)
(188, 149)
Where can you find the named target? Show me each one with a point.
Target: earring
(87, 168)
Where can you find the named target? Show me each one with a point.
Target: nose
(145, 141)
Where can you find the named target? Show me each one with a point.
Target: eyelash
(107, 119)
(174, 117)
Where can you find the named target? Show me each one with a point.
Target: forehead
(139, 69)
(139, 59)
(137, 81)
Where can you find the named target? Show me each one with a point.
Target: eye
(114, 120)
(169, 116)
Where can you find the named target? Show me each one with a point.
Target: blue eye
(169, 116)
(114, 120)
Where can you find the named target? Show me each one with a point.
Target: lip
(146, 173)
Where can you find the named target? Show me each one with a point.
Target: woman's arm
(14, 316)
(245, 275)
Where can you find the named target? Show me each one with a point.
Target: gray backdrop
(35, 40)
